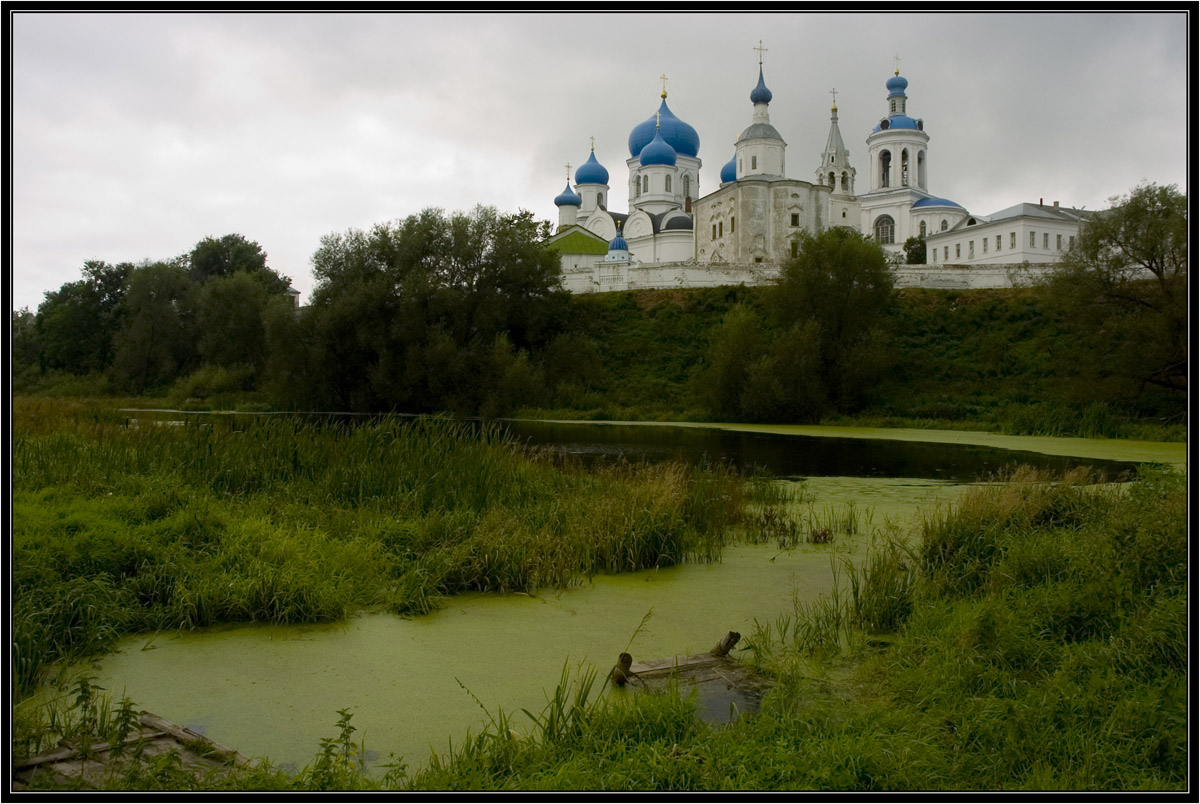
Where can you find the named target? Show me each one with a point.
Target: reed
(121, 528)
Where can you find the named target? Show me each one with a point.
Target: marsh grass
(121, 529)
(995, 684)
(1031, 637)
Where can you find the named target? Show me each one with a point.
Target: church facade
(743, 231)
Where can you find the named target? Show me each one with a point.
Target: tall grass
(1026, 678)
(121, 528)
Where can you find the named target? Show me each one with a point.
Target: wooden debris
(714, 674)
(71, 764)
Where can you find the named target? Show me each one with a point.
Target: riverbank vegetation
(1031, 637)
(461, 313)
(122, 527)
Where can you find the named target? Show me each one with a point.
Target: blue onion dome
(899, 121)
(568, 198)
(760, 94)
(935, 202)
(729, 170)
(678, 134)
(591, 172)
(618, 243)
(657, 152)
(897, 84)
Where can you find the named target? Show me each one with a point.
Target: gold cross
(664, 80)
(761, 50)
(833, 92)
(897, 58)
(593, 143)
(568, 171)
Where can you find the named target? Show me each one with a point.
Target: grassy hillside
(982, 359)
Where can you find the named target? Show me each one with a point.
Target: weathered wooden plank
(187, 735)
(157, 736)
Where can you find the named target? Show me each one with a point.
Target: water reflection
(795, 456)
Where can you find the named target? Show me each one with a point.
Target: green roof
(579, 242)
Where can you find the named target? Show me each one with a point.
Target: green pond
(275, 691)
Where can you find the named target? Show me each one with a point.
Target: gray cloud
(134, 136)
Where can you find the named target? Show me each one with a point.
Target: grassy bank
(979, 360)
(1035, 639)
(120, 529)
(1032, 637)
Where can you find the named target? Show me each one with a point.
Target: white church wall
(642, 276)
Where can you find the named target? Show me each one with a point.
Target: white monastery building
(745, 229)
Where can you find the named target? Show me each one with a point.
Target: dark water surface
(796, 456)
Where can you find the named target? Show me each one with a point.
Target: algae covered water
(414, 685)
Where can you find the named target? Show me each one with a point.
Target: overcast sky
(136, 135)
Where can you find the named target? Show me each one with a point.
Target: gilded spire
(761, 50)
(664, 90)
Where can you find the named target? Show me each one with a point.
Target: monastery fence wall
(658, 276)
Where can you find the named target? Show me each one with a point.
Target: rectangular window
(958, 251)
(1058, 242)
(945, 253)
(732, 223)
(997, 242)
(720, 228)
(971, 250)
(1012, 239)
(1071, 242)
(714, 231)
(1046, 240)
(1033, 239)
(795, 219)
(754, 163)
(795, 248)
(985, 245)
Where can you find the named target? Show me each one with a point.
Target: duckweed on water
(121, 529)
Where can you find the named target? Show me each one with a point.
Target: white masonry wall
(657, 276)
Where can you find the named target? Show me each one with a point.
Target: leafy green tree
(737, 344)
(157, 339)
(841, 282)
(229, 318)
(24, 339)
(289, 376)
(231, 254)
(914, 251)
(77, 322)
(407, 315)
(1122, 292)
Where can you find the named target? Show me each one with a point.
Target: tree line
(464, 313)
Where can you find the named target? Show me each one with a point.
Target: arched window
(637, 186)
(885, 169)
(668, 184)
(904, 168)
(600, 200)
(922, 229)
(832, 181)
(921, 169)
(885, 229)
(687, 185)
(645, 184)
(754, 163)
(944, 225)
(845, 182)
